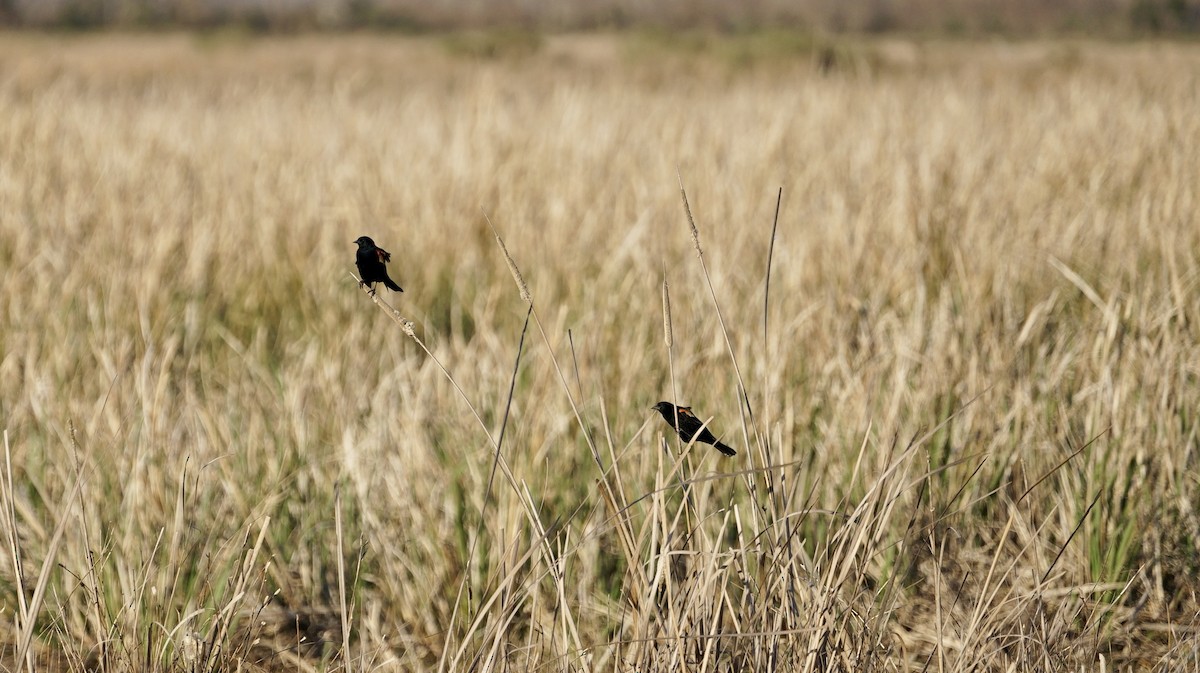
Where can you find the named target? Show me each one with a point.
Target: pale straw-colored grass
(966, 434)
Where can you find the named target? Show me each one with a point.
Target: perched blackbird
(688, 425)
(372, 264)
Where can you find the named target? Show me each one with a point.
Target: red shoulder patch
(686, 411)
(384, 255)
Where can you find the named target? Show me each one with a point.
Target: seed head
(516, 273)
(667, 335)
(691, 223)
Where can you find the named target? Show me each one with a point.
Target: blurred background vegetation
(967, 18)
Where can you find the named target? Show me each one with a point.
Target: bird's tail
(391, 285)
(725, 449)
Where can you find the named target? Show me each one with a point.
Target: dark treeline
(940, 17)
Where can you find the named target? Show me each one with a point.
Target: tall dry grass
(966, 416)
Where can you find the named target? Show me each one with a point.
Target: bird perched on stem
(372, 265)
(688, 426)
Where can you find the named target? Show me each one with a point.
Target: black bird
(689, 425)
(372, 265)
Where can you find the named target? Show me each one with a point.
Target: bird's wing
(384, 255)
(686, 411)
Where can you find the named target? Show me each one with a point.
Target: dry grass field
(966, 411)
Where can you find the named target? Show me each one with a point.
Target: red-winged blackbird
(372, 264)
(688, 425)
